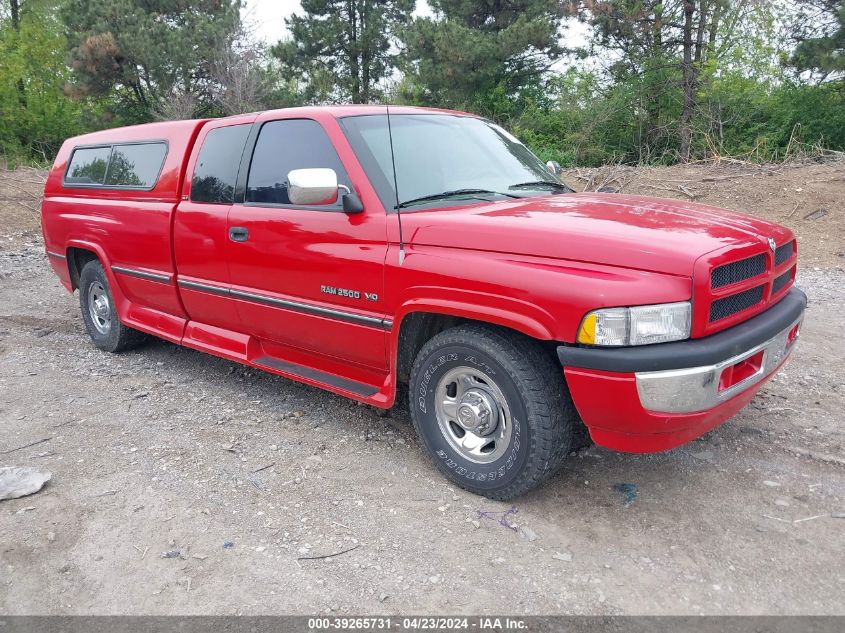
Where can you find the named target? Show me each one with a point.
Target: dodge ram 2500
(357, 250)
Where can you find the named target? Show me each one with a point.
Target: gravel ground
(186, 484)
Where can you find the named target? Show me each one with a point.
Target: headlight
(640, 325)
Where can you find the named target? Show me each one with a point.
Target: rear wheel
(492, 409)
(100, 313)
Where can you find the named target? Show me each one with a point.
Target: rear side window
(283, 146)
(88, 166)
(217, 164)
(135, 165)
(120, 166)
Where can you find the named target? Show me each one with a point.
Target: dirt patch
(21, 191)
(806, 198)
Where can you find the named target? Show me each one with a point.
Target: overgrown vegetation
(583, 82)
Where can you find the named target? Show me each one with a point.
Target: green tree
(671, 49)
(821, 38)
(144, 51)
(36, 115)
(480, 54)
(341, 50)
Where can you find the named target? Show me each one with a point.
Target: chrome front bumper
(697, 388)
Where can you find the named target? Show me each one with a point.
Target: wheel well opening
(415, 330)
(76, 260)
(418, 328)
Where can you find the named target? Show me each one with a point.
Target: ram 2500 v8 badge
(359, 250)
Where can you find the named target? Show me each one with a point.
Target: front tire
(100, 313)
(492, 409)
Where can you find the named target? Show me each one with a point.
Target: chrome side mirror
(554, 167)
(312, 186)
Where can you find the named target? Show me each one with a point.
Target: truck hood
(643, 233)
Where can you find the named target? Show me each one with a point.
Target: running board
(352, 386)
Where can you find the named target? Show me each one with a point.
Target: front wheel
(492, 409)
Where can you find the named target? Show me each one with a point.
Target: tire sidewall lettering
(478, 475)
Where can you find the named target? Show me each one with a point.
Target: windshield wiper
(539, 184)
(455, 192)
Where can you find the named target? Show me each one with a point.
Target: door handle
(238, 234)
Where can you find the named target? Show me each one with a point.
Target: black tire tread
(542, 388)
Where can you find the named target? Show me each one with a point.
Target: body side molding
(296, 306)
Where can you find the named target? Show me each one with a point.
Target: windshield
(442, 158)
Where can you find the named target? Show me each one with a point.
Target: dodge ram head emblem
(772, 244)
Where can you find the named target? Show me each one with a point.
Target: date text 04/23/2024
(419, 623)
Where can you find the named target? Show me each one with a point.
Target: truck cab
(361, 250)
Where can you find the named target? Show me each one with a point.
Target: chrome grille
(784, 252)
(781, 281)
(728, 306)
(739, 270)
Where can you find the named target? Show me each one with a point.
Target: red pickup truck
(356, 250)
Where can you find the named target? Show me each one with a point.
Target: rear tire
(492, 409)
(100, 313)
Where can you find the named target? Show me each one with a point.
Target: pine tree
(476, 51)
(147, 51)
(341, 50)
(821, 38)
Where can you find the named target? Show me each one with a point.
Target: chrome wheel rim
(99, 308)
(473, 415)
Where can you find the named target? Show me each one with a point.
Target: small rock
(51, 536)
(382, 597)
(199, 556)
(837, 515)
(174, 553)
(771, 484)
(782, 502)
(476, 524)
(527, 533)
(18, 482)
(434, 580)
(228, 545)
(260, 548)
(705, 456)
(564, 556)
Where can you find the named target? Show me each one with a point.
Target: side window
(217, 165)
(136, 165)
(88, 166)
(283, 146)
